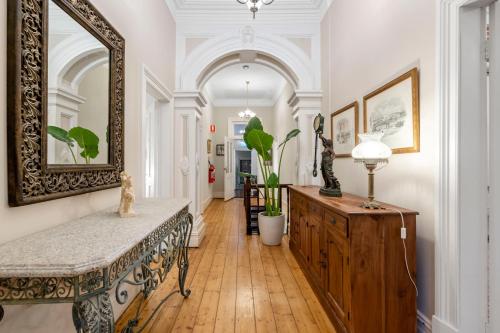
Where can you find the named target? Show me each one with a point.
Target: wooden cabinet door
(336, 277)
(294, 222)
(304, 235)
(317, 259)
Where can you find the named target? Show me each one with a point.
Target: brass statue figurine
(332, 185)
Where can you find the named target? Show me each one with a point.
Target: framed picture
(209, 146)
(219, 150)
(394, 110)
(345, 128)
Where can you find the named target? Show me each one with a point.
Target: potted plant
(272, 220)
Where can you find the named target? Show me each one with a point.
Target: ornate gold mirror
(65, 100)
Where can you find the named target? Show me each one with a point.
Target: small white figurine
(127, 200)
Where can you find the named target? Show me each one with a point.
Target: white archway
(272, 51)
(215, 54)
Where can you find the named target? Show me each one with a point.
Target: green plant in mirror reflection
(87, 140)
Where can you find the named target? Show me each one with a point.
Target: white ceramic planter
(271, 228)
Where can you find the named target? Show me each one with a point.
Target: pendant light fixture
(254, 5)
(247, 114)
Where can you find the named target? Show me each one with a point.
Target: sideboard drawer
(337, 221)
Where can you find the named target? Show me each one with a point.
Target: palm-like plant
(87, 140)
(257, 139)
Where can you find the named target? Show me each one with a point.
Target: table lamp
(372, 152)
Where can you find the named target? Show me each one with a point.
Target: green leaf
(261, 142)
(60, 134)
(246, 174)
(293, 133)
(87, 140)
(253, 123)
(273, 181)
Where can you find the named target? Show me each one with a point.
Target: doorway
(157, 138)
(243, 164)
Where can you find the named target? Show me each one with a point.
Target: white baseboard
(198, 232)
(424, 324)
(441, 326)
(205, 204)
(218, 195)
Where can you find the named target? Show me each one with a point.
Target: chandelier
(247, 113)
(254, 5)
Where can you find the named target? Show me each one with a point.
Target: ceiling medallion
(254, 5)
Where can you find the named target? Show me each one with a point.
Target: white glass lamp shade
(371, 150)
(246, 114)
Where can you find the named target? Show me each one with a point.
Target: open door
(229, 176)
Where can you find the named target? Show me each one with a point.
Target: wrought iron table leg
(183, 260)
(94, 315)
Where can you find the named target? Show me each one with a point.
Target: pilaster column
(188, 110)
(305, 106)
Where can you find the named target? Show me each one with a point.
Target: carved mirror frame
(30, 178)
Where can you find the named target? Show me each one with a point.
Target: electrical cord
(403, 238)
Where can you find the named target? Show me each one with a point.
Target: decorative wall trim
(219, 11)
(152, 84)
(305, 106)
(447, 255)
(153, 80)
(188, 110)
(198, 232)
(284, 56)
(456, 305)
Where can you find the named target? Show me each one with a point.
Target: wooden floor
(237, 284)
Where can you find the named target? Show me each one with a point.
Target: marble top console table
(80, 261)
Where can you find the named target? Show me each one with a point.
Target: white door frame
(151, 84)
(460, 248)
(494, 164)
(230, 129)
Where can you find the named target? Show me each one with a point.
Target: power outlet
(403, 233)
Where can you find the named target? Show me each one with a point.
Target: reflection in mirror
(78, 93)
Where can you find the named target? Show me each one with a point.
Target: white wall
(149, 31)
(365, 45)
(94, 113)
(220, 117)
(284, 123)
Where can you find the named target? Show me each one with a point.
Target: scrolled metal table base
(146, 265)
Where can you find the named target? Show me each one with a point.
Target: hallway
(237, 285)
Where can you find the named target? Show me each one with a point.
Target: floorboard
(237, 285)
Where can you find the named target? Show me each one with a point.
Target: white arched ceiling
(72, 58)
(227, 88)
(275, 52)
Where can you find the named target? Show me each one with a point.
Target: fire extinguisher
(211, 173)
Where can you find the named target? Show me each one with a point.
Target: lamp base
(370, 205)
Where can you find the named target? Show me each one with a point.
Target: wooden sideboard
(354, 259)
